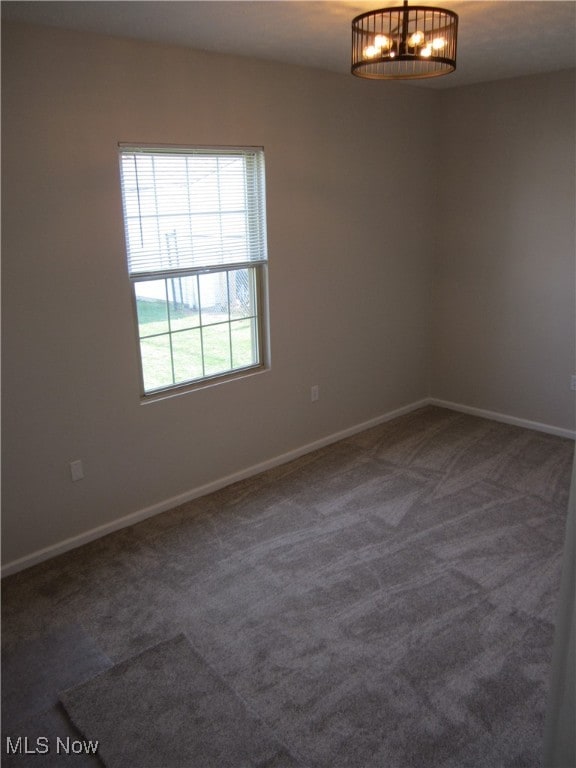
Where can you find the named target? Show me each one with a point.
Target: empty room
(289, 379)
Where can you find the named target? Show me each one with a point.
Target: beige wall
(349, 288)
(504, 303)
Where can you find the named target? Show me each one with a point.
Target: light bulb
(416, 39)
(426, 51)
(369, 52)
(438, 43)
(381, 41)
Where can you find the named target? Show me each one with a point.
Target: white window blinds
(192, 209)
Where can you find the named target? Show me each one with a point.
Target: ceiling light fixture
(404, 43)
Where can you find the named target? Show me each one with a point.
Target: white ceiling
(497, 38)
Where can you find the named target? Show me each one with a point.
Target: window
(196, 246)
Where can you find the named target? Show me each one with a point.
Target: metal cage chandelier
(404, 43)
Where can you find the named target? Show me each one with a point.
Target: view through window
(196, 245)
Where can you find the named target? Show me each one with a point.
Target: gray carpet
(34, 671)
(166, 707)
(387, 601)
(48, 739)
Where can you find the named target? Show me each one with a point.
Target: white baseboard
(494, 416)
(142, 514)
(194, 493)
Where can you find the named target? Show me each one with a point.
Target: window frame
(258, 268)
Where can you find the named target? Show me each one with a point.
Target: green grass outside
(221, 341)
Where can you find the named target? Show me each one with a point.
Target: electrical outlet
(573, 382)
(76, 470)
(314, 393)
